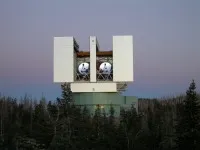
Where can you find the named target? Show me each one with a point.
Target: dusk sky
(166, 36)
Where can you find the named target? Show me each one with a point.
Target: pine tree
(66, 99)
(97, 122)
(85, 128)
(64, 140)
(97, 134)
(188, 123)
(111, 116)
(110, 128)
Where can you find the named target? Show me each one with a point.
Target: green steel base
(91, 100)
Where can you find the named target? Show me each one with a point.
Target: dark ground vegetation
(171, 123)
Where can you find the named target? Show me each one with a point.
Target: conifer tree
(65, 104)
(66, 99)
(97, 121)
(111, 115)
(188, 123)
(111, 130)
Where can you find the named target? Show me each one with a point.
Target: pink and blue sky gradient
(166, 42)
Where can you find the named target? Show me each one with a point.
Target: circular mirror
(83, 68)
(105, 68)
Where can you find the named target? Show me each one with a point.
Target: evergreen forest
(160, 124)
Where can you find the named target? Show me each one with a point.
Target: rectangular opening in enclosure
(82, 66)
(104, 65)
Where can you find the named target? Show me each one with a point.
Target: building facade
(96, 76)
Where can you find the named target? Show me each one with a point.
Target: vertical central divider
(93, 49)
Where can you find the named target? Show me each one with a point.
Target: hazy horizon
(166, 38)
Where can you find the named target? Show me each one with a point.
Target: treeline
(173, 123)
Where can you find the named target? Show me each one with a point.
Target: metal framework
(121, 87)
(103, 57)
(106, 57)
(100, 75)
(79, 76)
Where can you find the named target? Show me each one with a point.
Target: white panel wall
(63, 59)
(122, 58)
(93, 87)
(93, 42)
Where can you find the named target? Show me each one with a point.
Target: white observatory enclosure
(94, 70)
